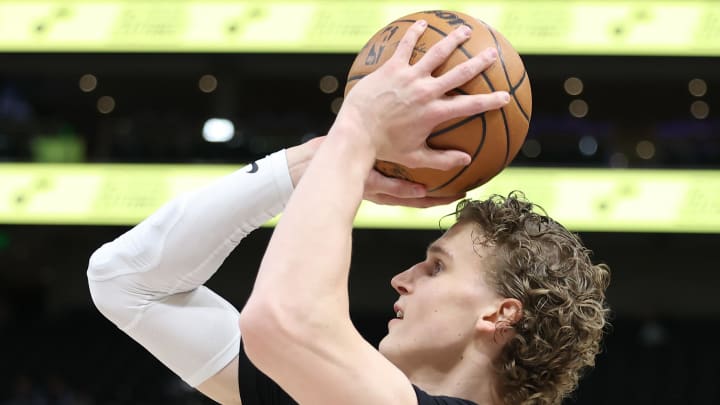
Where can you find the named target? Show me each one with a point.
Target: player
(505, 308)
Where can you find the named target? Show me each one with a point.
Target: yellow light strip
(614, 27)
(610, 200)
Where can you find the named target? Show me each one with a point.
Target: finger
(466, 105)
(384, 199)
(423, 202)
(381, 184)
(439, 52)
(445, 159)
(404, 50)
(466, 71)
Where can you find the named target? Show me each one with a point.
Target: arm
(149, 280)
(296, 325)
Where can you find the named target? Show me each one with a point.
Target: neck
(472, 378)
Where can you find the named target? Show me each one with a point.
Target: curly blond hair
(540, 263)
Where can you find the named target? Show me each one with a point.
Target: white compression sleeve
(149, 280)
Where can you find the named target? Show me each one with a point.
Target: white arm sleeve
(148, 281)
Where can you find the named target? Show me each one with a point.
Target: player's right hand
(397, 106)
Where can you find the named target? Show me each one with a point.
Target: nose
(402, 282)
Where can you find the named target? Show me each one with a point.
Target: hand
(384, 190)
(299, 157)
(399, 104)
(379, 188)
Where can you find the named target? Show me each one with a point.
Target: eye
(437, 267)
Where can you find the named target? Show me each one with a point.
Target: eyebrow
(439, 250)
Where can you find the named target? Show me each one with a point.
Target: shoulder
(426, 399)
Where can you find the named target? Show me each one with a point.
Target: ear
(510, 311)
(498, 321)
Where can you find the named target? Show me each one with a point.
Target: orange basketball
(492, 138)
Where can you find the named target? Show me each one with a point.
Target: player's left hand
(385, 190)
(379, 188)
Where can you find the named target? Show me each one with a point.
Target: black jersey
(258, 389)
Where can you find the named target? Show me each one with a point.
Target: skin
(450, 313)
(296, 325)
(223, 387)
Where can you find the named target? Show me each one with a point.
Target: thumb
(440, 159)
(377, 183)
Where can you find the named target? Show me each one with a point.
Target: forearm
(148, 282)
(189, 237)
(311, 244)
(296, 325)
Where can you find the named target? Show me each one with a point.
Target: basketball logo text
(450, 18)
(374, 55)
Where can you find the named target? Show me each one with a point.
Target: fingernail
(465, 30)
(419, 191)
(422, 23)
(505, 96)
(491, 53)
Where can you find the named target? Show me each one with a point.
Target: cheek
(448, 327)
(455, 311)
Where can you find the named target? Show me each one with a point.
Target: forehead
(463, 241)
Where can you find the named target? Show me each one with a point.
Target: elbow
(272, 327)
(108, 290)
(97, 283)
(103, 263)
(260, 333)
(260, 321)
(108, 298)
(101, 294)
(269, 328)
(98, 296)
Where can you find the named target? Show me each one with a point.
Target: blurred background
(102, 103)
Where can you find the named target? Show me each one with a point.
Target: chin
(388, 347)
(394, 354)
(382, 346)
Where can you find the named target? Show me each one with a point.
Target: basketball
(492, 138)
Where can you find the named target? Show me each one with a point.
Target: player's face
(443, 299)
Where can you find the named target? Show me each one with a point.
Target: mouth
(399, 314)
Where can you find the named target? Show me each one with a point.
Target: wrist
(299, 157)
(356, 133)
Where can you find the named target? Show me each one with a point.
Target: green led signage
(612, 200)
(613, 27)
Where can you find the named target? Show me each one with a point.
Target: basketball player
(506, 307)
